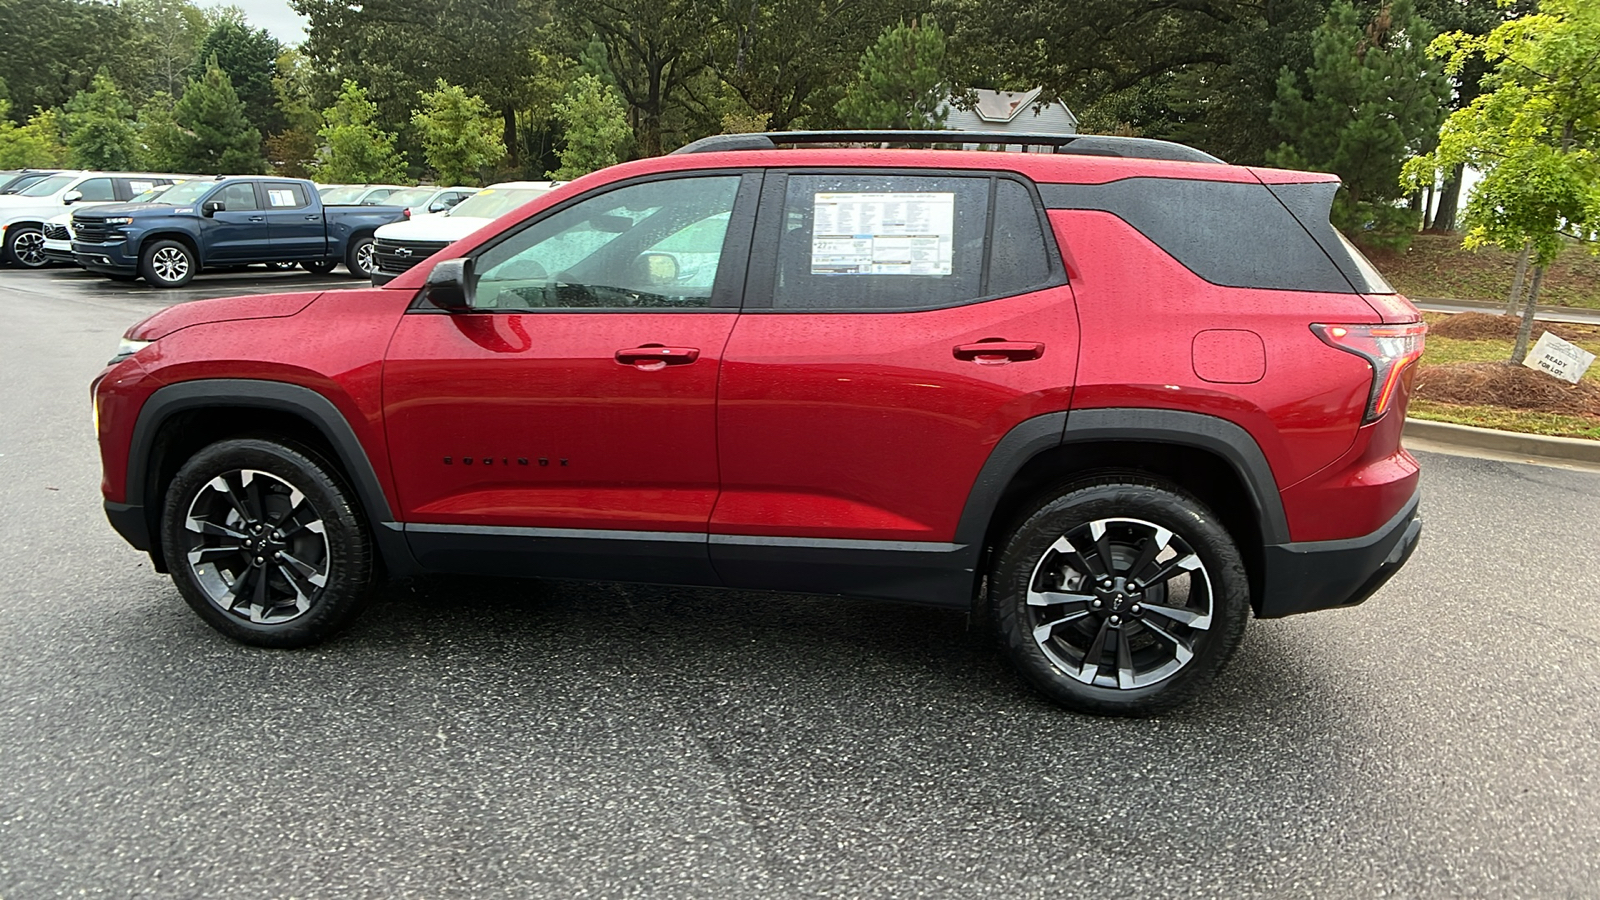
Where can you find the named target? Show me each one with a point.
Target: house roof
(1004, 106)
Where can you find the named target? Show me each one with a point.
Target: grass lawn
(1436, 266)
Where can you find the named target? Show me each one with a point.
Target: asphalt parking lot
(488, 739)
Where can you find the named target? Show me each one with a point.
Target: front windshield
(151, 195)
(188, 192)
(491, 203)
(411, 197)
(46, 187)
(344, 195)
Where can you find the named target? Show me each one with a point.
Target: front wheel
(168, 264)
(359, 259)
(1120, 597)
(25, 246)
(266, 544)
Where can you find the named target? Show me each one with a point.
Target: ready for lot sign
(1563, 359)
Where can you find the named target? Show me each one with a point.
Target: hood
(226, 309)
(106, 210)
(432, 228)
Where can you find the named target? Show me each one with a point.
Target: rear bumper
(1313, 575)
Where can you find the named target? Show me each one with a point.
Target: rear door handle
(993, 352)
(651, 357)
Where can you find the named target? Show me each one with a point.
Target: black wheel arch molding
(135, 519)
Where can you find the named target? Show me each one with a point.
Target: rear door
(294, 225)
(566, 424)
(895, 327)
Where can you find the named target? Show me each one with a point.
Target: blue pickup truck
(232, 221)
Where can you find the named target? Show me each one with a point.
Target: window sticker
(883, 233)
(281, 198)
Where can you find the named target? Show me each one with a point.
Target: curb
(1511, 442)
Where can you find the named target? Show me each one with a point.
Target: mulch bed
(1471, 326)
(1499, 384)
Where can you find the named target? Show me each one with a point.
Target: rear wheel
(168, 264)
(1120, 597)
(25, 246)
(265, 543)
(359, 259)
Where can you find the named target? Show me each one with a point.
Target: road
(497, 739)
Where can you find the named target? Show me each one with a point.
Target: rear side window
(899, 242)
(285, 195)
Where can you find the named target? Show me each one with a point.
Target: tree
(356, 150)
(100, 129)
(1535, 135)
(596, 128)
(166, 37)
(901, 81)
(250, 57)
(293, 150)
(219, 139)
(160, 145)
(459, 134)
(36, 144)
(1370, 99)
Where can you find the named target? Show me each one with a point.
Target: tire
(319, 267)
(279, 266)
(1055, 605)
(168, 264)
(358, 259)
(301, 585)
(25, 247)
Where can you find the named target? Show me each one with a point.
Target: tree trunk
(1449, 200)
(1520, 351)
(513, 149)
(1519, 278)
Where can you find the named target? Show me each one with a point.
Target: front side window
(655, 245)
(238, 196)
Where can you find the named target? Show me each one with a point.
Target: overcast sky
(273, 15)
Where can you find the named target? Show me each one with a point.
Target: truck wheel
(1120, 597)
(319, 267)
(25, 246)
(359, 259)
(167, 264)
(266, 544)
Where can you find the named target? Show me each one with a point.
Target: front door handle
(651, 357)
(995, 351)
(258, 218)
(313, 218)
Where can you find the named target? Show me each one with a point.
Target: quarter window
(655, 245)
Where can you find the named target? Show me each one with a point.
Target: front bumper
(110, 259)
(1313, 575)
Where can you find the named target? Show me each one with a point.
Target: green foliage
(36, 144)
(595, 125)
(160, 144)
(219, 139)
(292, 151)
(1370, 99)
(99, 127)
(357, 151)
(250, 57)
(1534, 132)
(164, 37)
(901, 81)
(460, 136)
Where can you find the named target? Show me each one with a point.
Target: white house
(1019, 112)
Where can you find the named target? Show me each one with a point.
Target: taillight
(1390, 349)
(405, 213)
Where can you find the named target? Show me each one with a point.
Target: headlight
(126, 348)
(119, 220)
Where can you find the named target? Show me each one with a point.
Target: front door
(237, 234)
(566, 424)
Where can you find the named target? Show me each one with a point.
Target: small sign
(884, 233)
(1563, 359)
(281, 198)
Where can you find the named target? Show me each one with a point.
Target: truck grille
(54, 232)
(90, 231)
(394, 257)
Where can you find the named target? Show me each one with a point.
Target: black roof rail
(1081, 144)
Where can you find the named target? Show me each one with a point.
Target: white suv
(23, 215)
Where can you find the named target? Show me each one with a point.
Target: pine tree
(220, 140)
(99, 125)
(356, 151)
(596, 128)
(901, 82)
(460, 136)
(1370, 99)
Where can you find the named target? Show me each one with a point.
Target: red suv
(1116, 398)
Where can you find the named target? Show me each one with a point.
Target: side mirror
(212, 207)
(438, 206)
(446, 286)
(71, 197)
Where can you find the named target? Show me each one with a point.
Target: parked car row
(401, 245)
(23, 214)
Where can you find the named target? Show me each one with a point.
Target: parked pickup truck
(227, 222)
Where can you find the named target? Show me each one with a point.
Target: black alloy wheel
(25, 246)
(265, 544)
(1120, 597)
